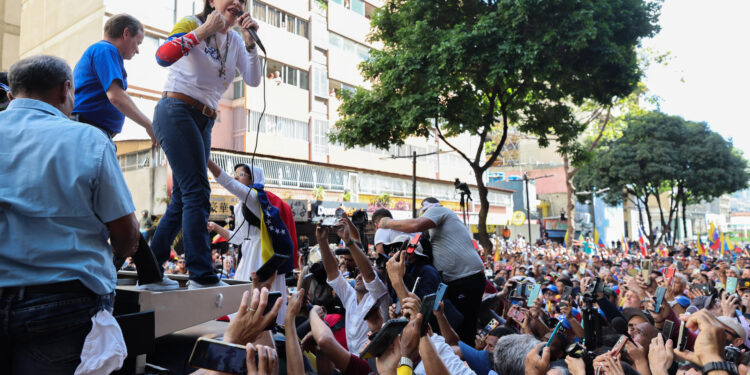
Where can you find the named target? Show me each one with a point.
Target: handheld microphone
(238, 13)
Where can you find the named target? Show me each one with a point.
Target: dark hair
(431, 200)
(38, 74)
(501, 331)
(116, 25)
(207, 9)
(381, 213)
(3, 93)
(243, 166)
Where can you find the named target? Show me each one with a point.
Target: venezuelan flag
(701, 249)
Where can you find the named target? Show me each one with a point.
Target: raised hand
(660, 355)
(250, 320)
(267, 359)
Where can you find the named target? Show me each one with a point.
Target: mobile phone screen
(731, 285)
(619, 345)
(439, 295)
(552, 337)
(682, 338)
(666, 332)
(426, 311)
(533, 295)
(383, 338)
(272, 297)
(658, 298)
(218, 356)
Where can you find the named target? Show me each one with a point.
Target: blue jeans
(44, 333)
(185, 136)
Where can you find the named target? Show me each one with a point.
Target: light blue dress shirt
(60, 182)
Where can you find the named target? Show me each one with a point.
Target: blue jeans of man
(43, 333)
(185, 136)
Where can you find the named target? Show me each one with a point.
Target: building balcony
(285, 47)
(281, 100)
(348, 23)
(278, 145)
(344, 67)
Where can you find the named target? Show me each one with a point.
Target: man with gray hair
(510, 353)
(101, 80)
(62, 197)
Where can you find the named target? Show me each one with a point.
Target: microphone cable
(263, 65)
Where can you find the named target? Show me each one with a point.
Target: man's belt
(81, 118)
(202, 108)
(72, 286)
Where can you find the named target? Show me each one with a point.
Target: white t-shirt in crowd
(452, 362)
(356, 326)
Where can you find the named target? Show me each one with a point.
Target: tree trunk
(571, 203)
(684, 217)
(484, 209)
(650, 233)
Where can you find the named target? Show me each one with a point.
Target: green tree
(472, 65)
(660, 155)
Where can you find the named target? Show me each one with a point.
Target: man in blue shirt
(62, 197)
(101, 80)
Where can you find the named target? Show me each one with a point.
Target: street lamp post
(414, 157)
(526, 180)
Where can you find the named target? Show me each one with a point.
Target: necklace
(222, 59)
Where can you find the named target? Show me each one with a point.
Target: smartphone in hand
(220, 356)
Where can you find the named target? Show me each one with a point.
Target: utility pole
(526, 180)
(414, 157)
(414, 185)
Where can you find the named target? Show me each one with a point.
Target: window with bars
(288, 174)
(282, 126)
(280, 19)
(320, 137)
(287, 74)
(349, 46)
(320, 82)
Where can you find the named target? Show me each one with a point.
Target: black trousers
(466, 294)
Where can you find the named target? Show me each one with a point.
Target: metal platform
(179, 309)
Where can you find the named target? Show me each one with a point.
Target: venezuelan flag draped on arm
(274, 234)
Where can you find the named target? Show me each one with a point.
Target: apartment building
(10, 29)
(313, 55)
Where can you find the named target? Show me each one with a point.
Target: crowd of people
(542, 310)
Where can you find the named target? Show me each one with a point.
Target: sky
(706, 78)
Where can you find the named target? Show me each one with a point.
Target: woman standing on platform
(203, 54)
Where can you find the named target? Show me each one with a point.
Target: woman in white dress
(246, 232)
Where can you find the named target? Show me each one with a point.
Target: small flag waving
(625, 246)
(701, 249)
(642, 241)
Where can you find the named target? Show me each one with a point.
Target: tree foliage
(479, 64)
(660, 154)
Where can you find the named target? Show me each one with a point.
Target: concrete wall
(10, 30)
(147, 191)
(281, 100)
(346, 22)
(55, 27)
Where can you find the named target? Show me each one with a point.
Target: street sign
(518, 218)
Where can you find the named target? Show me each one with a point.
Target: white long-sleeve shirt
(356, 326)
